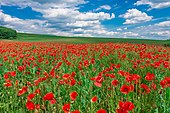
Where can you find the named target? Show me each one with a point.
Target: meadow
(84, 40)
(59, 76)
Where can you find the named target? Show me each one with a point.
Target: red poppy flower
(73, 95)
(150, 76)
(121, 111)
(13, 73)
(125, 89)
(37, 91)
(122, 73)
(94, 99)
(30, 96)
(73, 74)
(66, 107)
(93, 78)
(58, 65)
(165, 82)
(97, 84)
(49, 96)
(6, 76)
(53, 101)
(92, 60)
(146, 88)
(115, 83)
(66, 76)
(22, 91)
(72, 82)
(112, 75)
(101, 111)
(30, 105)
(153, 86)
(8, 84)
(37, 106)
(136, 78)
(118, 66)
(129, 78)
(127, 106)
(99, 79)
(76, 111)
(21, 68)
(52, 72)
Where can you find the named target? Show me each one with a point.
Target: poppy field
(50, 77)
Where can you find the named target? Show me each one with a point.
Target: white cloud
(119, 29)
(95, 16)
(27, 25)
(39, 3)
(105, 7)
(134, 16)
(83, 23)
(164, 24)
(131, 34)
(154, 4)
(62, 16)
(42, 26)
(152, 32)
(125, 28)
(75, 14)
(162, 33)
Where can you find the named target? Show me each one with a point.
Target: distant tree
(7, 33)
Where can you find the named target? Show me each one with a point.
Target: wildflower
(30, 105)
(94, 99)
(101, 111)
(30, 96)
(73, 95)
(146, 88)
(49, 96)
(150, 77)
(66, 107)
(97, 84)
(115, 83)
(125, 89)
(76, 111)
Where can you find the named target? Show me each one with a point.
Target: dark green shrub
(7, 33)
(167, 45)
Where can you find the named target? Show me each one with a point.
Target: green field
(81, 40)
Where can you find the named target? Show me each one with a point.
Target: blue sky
(100, 18)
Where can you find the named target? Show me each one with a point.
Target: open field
(48, 77)
(84, 56)
(81, 40)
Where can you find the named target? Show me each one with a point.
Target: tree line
(7, 33)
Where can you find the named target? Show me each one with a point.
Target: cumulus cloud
(152, 31)
(164, 24)
(119, 29)
(162, 33)
(83, 23)
(75, 14)
(154, 4)
(134, 16)
(39, 3)
(62, 16)
(131, 34)
(79, 28)
(27, 25)
(105, 7)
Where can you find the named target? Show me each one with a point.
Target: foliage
(7, 33)
(167, 45)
